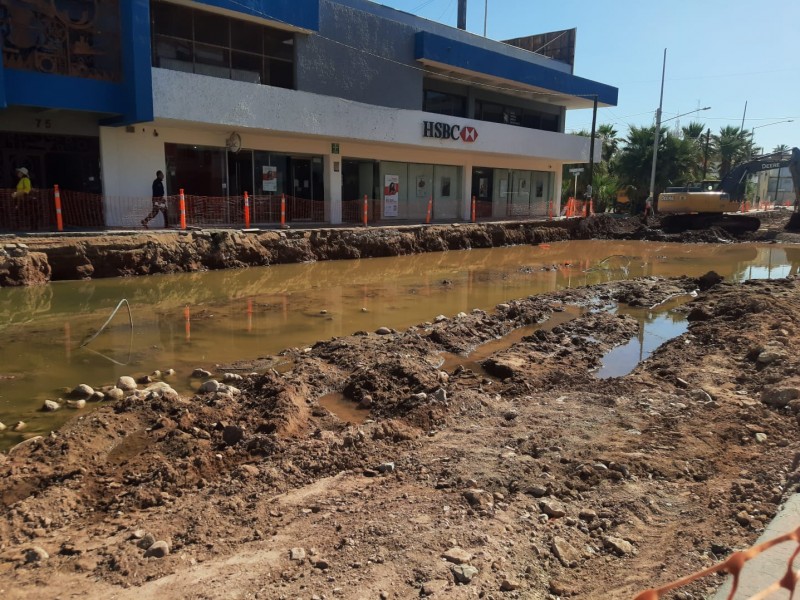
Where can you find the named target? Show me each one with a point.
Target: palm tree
(731, 146)
(782, 148)
(608, 137)
(693, 130)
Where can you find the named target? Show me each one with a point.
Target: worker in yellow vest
(23, 185)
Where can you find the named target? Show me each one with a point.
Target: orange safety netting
(733, 565)
(577, 208)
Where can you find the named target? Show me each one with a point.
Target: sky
(720, 53)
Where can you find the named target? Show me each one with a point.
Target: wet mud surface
(32, 260)
(529, 477)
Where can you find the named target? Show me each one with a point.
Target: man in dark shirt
(159, 201)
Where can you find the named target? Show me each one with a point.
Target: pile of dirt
(530, 478)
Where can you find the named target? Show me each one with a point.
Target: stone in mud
(146, 540)
(479, 498)
(537, 491)
(761, 438)
(430, 588)
(97, 397)
(618, 545)
(126, 384)
(779, 397)
(212, 385)
(19, 426)
(2, 427)
(439, 319)
(82, 391)
(463, 573)
(387, 467)
(457, 556)
(552, 508)
(50, 406)
(77, 404)
(36, 554)
(232, 377)
(565, 552)
(509, 584)
(709, 280)
(114, 393)
(383, 331)
(768, 357)
(144, 380)
(440, 395)
(200, 374)
(297, 554)
(158, 550)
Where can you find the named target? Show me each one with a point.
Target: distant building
(324, 101)
(770, 182)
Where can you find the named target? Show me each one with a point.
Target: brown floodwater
(193, 320)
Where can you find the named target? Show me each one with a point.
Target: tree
(731, 146)
(782, 148)
(693, 130)
(608, 137)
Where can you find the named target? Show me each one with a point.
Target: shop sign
(445, 131)
(391, 195)
(269, 178)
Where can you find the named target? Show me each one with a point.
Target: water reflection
(187, 320)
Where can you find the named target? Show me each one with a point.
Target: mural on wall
(63, 37)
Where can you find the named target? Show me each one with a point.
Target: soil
(33, 260)
(535, 478)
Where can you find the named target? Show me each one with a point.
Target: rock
(144, 380)
(36, 554)
(212, 385)
(2, 427)
(769, 356)
(366, 401)
(552, 508)
(618, 545)
(168, 372)
(510, 415)
(457, 556)
(509, 584)
(200, 373)
(420, 397)
(479, 498)
(463, 573)
(778, 396)
(440, 395)
(565, 552)
(503, 307)
(709, 280)
(537, 491)
(160, 389)
(76, 403)
(298, 554)
(156, 374)
(439, 319)
(232, 377)
(232, 435)
(146, 540)
(114, 393)
(82, 391)
(158, 550)
(383, 331)
(761, 438)
(387, 467)
(250, 470)
(322, 564)
(430, 588)
(587, 514)
(50, 406)
(97, 397)
(681, 383)
(19, 426)
(701, 395)
(364, 309)
(126, 384)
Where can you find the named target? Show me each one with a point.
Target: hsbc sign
(445, 131)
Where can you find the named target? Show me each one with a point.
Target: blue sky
(720, 53)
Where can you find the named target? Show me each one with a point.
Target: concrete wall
(361, 57)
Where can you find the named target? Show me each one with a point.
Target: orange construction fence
(577, 208)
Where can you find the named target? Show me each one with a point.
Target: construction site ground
(524, 476)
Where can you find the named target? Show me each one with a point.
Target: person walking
(22, 207)
(159, 201)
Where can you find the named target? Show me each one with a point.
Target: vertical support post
(589, 189)
(182, 207)
(430, 209)
(473, 209)
(246, 211)
(549, 209)
(283, 211)
(650, 202)
(366, 211)
(59, 219)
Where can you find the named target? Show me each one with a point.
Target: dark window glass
(281, 74)
(210, 60)
(278, 44)
(488, 111)
(247, 67)
(171, 19)
(247, 36)
(173, 54)
(211, 29)
(444, 104)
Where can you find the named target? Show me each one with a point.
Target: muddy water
(189, 320)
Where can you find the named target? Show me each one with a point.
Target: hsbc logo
(445, 131)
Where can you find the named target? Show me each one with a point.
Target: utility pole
(589, 189)
(485, 15)
(650, 199)
(743, 115)
(705, 153)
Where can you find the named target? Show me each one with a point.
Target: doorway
(240, 173)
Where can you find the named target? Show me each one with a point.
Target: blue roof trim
(298, 13)
(457, 54)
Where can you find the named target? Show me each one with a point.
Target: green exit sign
(334, 148)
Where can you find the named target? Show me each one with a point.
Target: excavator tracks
(733, 224)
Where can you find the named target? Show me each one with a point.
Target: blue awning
(493, 66)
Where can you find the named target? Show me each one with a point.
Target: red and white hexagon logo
(469, 134)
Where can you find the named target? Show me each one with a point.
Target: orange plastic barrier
(182, 208)
(366, 210)
(283, 211)
(473, 209)
(246, 211)
(59, 220)
(430, 210)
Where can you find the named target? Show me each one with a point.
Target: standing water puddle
(344, 409)
(193, 320)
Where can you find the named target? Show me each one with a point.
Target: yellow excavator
(704, 205)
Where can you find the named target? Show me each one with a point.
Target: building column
(466, 187)
(332, 167)
(556, 192)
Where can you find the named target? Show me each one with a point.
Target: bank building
(335, 109)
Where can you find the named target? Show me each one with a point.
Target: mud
(551, 482)
(32, 260)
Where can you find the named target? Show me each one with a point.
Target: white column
(556, 191)
(333, 188)
(466, 191)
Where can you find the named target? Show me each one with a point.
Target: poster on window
(391, 195)
(445, 187)
(269, 179)
(422, 186)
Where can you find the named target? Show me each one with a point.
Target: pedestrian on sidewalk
(159, 201)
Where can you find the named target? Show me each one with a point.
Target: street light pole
(649, 202)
